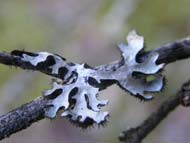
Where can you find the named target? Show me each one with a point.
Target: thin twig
(136, 135)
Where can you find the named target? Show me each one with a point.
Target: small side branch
(136, 135)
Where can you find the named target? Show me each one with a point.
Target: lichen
(77, 95)
(82, 104)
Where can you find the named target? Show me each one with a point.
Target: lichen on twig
(38, 109)
(78, 91)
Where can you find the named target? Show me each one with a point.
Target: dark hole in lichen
(72, 78)
(138, 75)
(61, 109)
(93, 82)
(105, 83)
(73, 91)
(87, 101)
(50, 61)
(140, 54)
(72, 101)
(62, 72)
(79, 117)
(100, 105)
(54, 95)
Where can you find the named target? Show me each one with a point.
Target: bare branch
(21, 117)
(136, 135)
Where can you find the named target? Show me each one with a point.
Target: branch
(22, 117)
(174, 51)
(136, 135)
(12, 60)
(27, 114)
(168, 53)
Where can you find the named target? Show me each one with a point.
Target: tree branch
(12, 60)
(168, 53)
(136, 135)
(29, 113)
(21, 117)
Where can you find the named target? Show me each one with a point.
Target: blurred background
(89, 31)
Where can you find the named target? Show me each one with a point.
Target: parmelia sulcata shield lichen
(77, 93)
